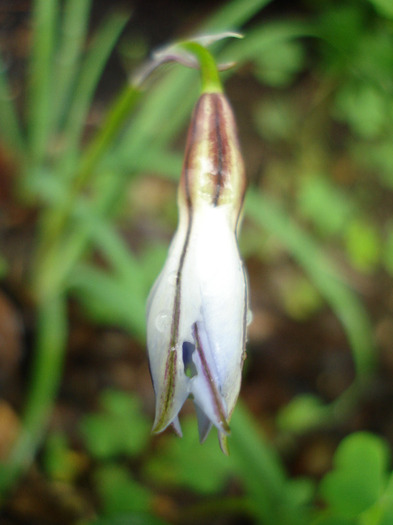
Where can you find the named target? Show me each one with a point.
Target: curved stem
(210, 79)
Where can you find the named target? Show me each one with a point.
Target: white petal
(204, 424)
(223, 286)
(205, 385)
(165, 354)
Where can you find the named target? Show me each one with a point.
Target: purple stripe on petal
(216, 398)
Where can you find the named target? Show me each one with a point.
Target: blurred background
(88, 172)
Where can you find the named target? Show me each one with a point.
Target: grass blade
(10, 128)
(262, 37)
(91, 71)
(108, 299)
(73, 37)
(40, 82)
(271, 492)
(50, 347)
(234, 14)
(323, 274)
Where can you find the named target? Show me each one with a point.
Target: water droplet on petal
(172, 278)
(162, 321)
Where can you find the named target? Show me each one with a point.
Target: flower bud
(197, 309)
(213, 171)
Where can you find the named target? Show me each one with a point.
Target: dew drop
(172, 278)
(162, 321)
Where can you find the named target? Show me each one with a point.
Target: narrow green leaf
(275, 498)
(10, 128)
(91, 70)
(108, 299)
(72, 41)
(41, 78)
(48, 362)
(113, 122)
(265, 36)
(326, 278)
(234, 14)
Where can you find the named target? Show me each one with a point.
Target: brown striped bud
(213, 170)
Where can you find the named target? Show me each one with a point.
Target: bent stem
(210, 79)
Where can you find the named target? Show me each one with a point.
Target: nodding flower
(197, 309)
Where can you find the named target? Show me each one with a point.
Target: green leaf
(386, 504)
(363, 107)
(323, 203)
(322, 272)
(10, 129)
(91, 70)
(107, 299)
(186, 463)
(383, 7)
(342, 27)
(333, 520)
(61, 463)
(363, 245)
(300, 298)
(233, 14)
(51, 338)
(388, 249)
(276, 499)
(277, 65)
(120, 428)
(119, 492)
(40, 82)
(134, 518)
(359, 475)
(265, 38)
(74, 27)
(301, 413)
(276, 119)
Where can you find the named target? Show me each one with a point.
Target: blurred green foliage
(317, 199)
(121, 427)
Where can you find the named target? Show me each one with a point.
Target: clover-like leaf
(119, 492)
(183, 462)
(359, 475)
(119, 428)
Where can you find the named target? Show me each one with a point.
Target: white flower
(197, 309)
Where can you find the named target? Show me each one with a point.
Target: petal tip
(223, 440)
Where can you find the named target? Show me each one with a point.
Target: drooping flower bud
(197, 309)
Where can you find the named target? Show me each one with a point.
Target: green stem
(210, 79)
(50, 347)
